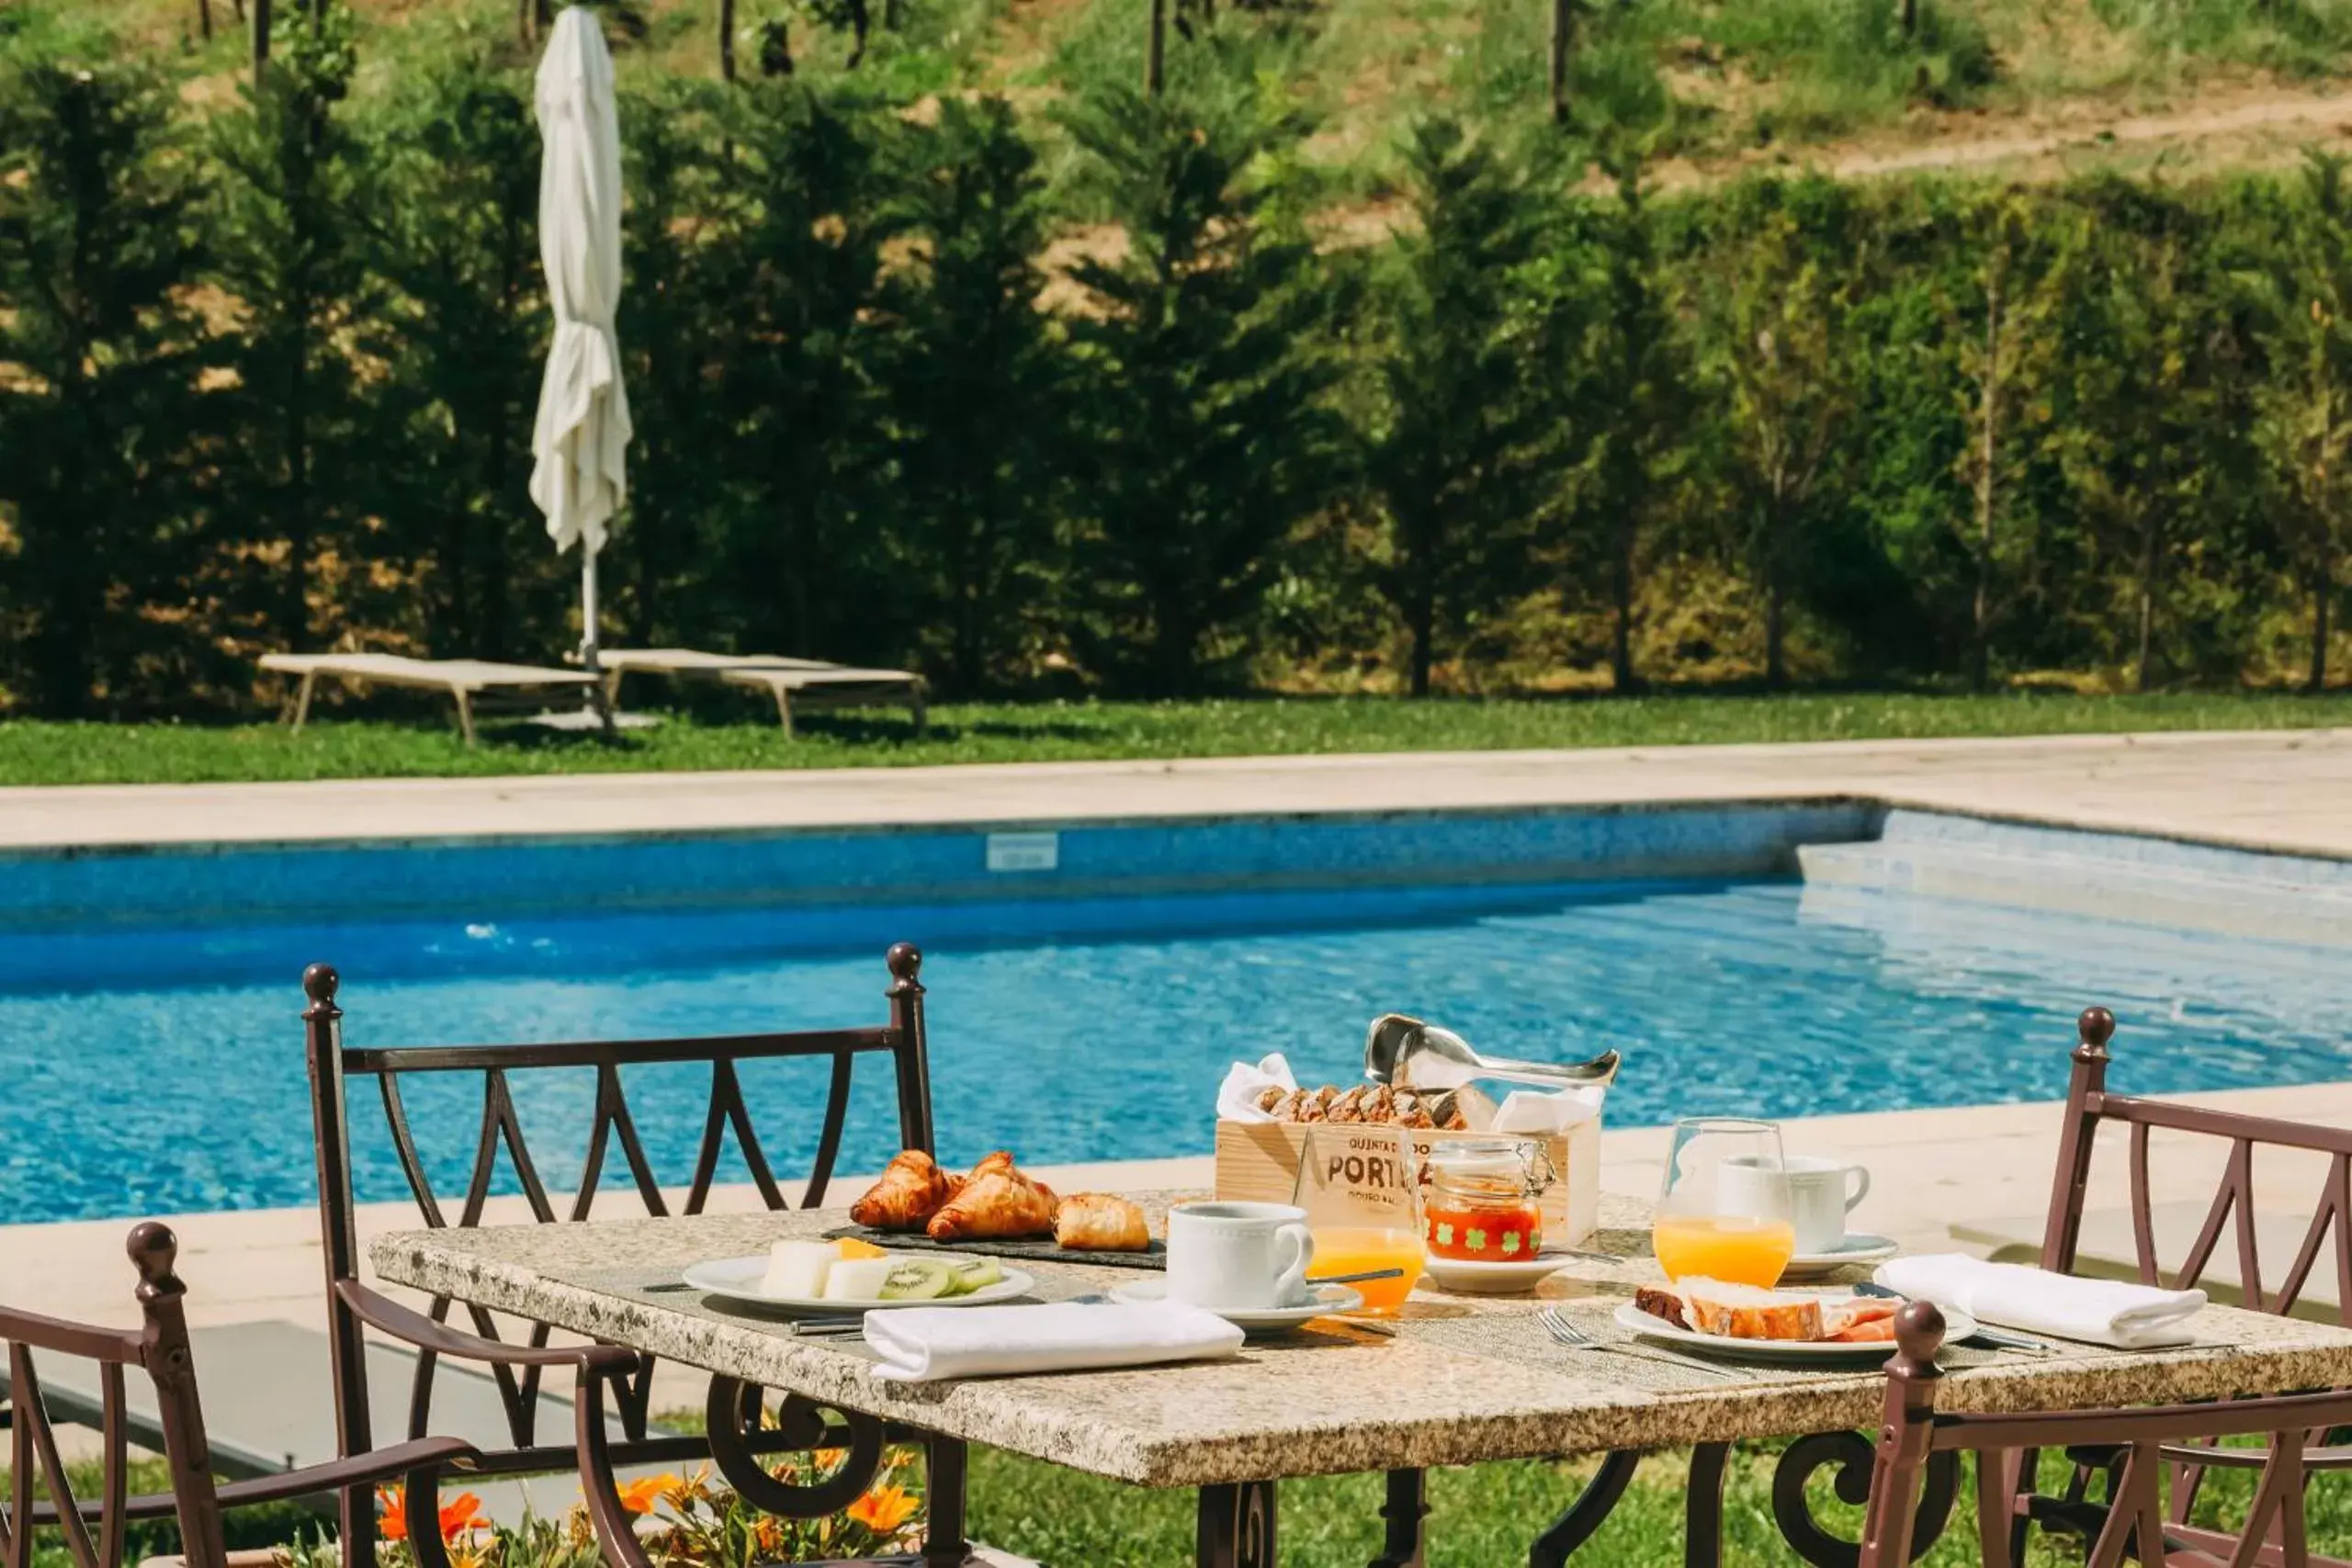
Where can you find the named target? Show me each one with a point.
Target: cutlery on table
(853, 1323)
(1563, 1332)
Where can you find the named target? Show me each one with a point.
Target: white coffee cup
(1819, 1191)
(1237, 1255)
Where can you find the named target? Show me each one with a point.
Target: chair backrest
(159, 1347)
(334, 1066)
(2232, 1208)
(1914, 1433)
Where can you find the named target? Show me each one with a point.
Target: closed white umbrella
(579, 478)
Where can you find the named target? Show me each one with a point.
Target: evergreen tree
(1783, 347)
(462, 245)
(2005, 366)
(673, 324)
(1209, 370)
(807, 221)
(2305, 427)
(99, 361)
(975, 391)
(1470, 428)
(291, 247)
(2147, 405)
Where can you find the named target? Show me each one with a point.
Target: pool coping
(2191, 787)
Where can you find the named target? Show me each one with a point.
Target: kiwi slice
(919, 1279)
(975, 1274)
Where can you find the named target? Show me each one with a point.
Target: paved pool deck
(2283, 790)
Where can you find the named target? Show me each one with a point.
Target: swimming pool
(150, 1064)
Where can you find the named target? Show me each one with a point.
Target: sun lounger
(794, 684)
(2107, 1249)
(476, 685)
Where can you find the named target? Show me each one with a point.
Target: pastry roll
(1097, 1222)
(997, 1201)
(912, 1189)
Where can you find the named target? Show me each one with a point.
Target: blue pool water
(1748, 995)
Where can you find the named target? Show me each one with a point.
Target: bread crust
(1796, 1319)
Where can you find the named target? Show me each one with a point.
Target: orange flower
(392, 1523)
(460, 1514)
(884, 1509)
(639, 1496)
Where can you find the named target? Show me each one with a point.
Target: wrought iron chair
(2133, 1521)
(2089, 1106)
(159, 1347)
(737, 1434)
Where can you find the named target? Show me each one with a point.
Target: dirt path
(2238, 128)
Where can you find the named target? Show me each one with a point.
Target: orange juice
(1718, 1247)
(1355, 1249)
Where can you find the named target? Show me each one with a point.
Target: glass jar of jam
(1482, 1199)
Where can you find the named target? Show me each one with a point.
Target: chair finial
(2097, 1027)
(318, 983)
(1918, 1334)
(905, 960)
(155, 1252)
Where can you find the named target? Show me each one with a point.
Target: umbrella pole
(599, 695)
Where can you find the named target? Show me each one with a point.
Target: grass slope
(1758, 74)
(42, 753)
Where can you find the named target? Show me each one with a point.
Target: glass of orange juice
(1723, 1211)
(1356, 1184)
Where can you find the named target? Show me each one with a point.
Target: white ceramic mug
(1821, 1193)
(1237, 1255)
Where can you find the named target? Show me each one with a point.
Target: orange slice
(850, 1246)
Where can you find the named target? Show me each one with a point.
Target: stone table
(1456, 1380)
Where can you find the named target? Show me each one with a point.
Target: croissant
(1097, 1222)
(912, 1189)
(996, 1202)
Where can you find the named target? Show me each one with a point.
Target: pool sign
(1024, 852)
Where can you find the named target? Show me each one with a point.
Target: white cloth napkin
(2103, 1311)
(1237, 1099)
(928, 1344)
(1534, 1111)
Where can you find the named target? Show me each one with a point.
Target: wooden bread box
(1257, 1162)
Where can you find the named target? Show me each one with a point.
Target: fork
(1563, 1332)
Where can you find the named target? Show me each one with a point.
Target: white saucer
(745, 1280)
(1465, 1278)
(1327, 1299)
(1856, 1248)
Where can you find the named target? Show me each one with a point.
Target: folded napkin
(1237, 1098)
(927, 1344)
(2103, 1311)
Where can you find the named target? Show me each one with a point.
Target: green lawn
(1484, 1517)
(43, 753)
(1481, 1518)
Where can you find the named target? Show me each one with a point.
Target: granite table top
(1460, 1379)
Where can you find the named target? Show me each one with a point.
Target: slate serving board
(1040, 1249)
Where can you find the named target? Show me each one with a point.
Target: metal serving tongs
(1408, 1054)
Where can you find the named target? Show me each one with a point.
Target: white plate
(1465, 1278)
(1957, 1326)
(1328, 1299)
(1856, 1248)
(745, 1280)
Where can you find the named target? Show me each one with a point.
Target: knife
(1993, 1338)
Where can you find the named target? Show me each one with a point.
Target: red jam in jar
(1483, 1202)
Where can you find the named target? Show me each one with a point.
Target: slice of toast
(1744, 1312)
